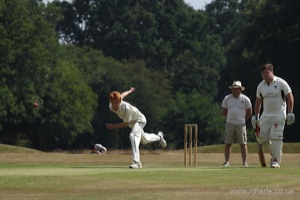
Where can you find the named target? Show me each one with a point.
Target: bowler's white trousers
(138, 135)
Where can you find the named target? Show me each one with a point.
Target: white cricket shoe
(226, 164)
(136, 166)
(162, 141)
(275, 165)
(245, 165)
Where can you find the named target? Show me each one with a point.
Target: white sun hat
(237, 84)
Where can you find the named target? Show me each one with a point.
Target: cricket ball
(35, 105)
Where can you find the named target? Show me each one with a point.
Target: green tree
(193, 108)
(69, 108)
(155, 31)
(33, 69)
(26, 58)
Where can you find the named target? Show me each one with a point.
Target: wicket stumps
(190, 133)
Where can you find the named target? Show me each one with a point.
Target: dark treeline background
(69, 55)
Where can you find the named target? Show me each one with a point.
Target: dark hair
(267, 66)
(92, 146)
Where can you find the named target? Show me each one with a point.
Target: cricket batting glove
(290, 118)
(254, 121)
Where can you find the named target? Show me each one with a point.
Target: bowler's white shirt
(273, 101)
(236, 108)
(127, 112)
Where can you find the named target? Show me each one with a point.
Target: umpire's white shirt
(236, 108)
(273, 96)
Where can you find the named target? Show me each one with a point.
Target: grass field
(31, 174)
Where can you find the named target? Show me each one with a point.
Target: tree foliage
(26, 58)
(30, 72)
(159, 32)
(193, 108)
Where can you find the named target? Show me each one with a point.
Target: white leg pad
(268, 146)
(266, 142)
(276, 131)
(262, 139)
(276, 150)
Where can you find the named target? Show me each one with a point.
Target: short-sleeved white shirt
(127, 112)
(236, 108)
(273, 96)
